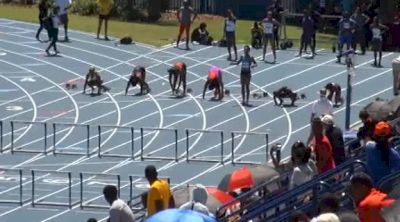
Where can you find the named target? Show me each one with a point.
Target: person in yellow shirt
(104, 8)
(159, 196)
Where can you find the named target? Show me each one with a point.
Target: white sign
(14, 108)
(28, 79)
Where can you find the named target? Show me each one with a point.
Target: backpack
(126, 41)
(222, 43)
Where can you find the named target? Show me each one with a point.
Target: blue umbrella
(180, 215)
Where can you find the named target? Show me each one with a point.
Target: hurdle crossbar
(195, 159)
(86, 204)
(21, 201)
(40, 202)
(14, 149)
(150, 156)
(71, 153)
(101, 154)
(235, 133)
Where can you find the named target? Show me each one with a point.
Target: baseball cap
(327, 120)
(382, 129)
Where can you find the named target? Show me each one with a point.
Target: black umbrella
(379, 110)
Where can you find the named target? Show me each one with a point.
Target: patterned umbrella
(215, 198)
(179, 215)
(247, 177)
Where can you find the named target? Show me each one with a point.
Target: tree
(154, 9)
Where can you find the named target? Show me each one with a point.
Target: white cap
(328, 217)
(327, 119)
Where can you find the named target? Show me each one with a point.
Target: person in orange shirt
(214, 82)
(177, 74)
(322, 147)
(369, 201)
(159, 196)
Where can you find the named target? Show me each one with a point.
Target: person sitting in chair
(138, 76)
(201, 35)
(285, 92)
(256, 36)
(93, 79)
(334, 93)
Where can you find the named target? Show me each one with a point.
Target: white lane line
(50, 81)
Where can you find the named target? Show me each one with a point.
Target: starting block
(71, 85)
(189, 90)
(260, 95)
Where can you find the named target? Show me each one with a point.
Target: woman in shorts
(377, 31)
(268, 24)
(248, 62)
(214, 82)
(230, 35)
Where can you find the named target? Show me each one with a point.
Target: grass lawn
(157, 34)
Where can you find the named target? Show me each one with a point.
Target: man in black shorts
(138, 76)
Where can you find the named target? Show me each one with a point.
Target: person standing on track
(277, 11)
(64, 5)
(268, 24)
(214, 82)
(347, 28)
(138, 76)
(104, 8)
(308, 33)
(229, 33)
(248, 62)
(377, 31)
(53, 21)
(184, 15)
(359, 36)
(43, 13)
(177, 74)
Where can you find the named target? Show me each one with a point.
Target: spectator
(304, 169)
(64, 5)
(230, 33)
(159, 196)
(359, 36)
(53, 21)
(327, 217)
(368, 200)
(322, 148)
(256, 36)
(105, 7)
(377, 40)
(382, 159)
(347, 28)
(199, 200)
(43, 13)
(277, 11)
(119, 210)
(335, 136)
(300, 216)
(308, 34)
(184, 15)
(348, 216)
(201, 35)
(395, 32)
(321, 107)
(365, 132)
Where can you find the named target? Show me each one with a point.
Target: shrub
(84, 7)
(154, 9)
